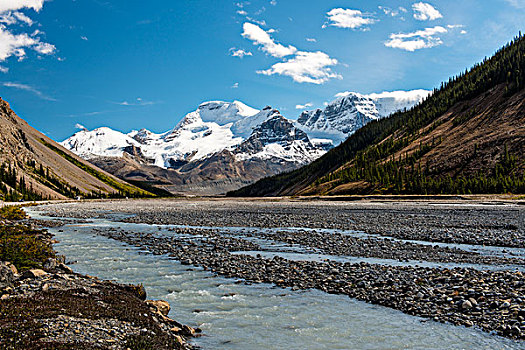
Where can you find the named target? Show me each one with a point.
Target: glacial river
(233, 315)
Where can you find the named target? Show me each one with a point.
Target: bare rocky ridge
(20, 143)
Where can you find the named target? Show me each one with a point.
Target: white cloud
(85, 38)
(392, 12)
(262, 38)
(12, 5)
(80, 126)
(425, 12)
(235, 86)
(239, 52)
(15, 44)
(23, 18)
(28, 88)
(517, 3)
(421, 39)
(4, 69)
(303, 67)
(9, 18)
(273, 2)
(138, 102)
(242, 13)
(311, 40)
(306, 67)
(305, 106)
(348, 18)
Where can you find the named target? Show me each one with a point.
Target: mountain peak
(351, 111)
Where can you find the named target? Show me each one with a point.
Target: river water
(233, 315)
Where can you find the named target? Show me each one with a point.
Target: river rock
(7, 276)
(33, 273)
(161, 306)
(50, 264)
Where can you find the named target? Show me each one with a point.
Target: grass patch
(12, 212)
(125, 189)
(24, 247)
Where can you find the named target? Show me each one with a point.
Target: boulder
(7, 276)
(34, 273)
(50, 264)
(12, 267)
(160, 306)
(64, 268)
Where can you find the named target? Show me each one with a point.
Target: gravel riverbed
(491, 300)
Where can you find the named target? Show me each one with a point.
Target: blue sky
(130, 64)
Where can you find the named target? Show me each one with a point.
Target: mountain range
(467, 137)
(222, 146)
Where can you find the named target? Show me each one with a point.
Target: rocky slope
(32, 166)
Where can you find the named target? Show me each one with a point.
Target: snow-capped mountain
(277, 137)
(351, 111)
(225, 145)
(213, 127)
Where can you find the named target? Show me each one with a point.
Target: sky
(131, 64)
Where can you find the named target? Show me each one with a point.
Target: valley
(296, 246)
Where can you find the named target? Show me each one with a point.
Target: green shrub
(24, 247)
(12, 212)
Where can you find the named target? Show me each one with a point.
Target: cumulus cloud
(348, 18)
(302, 66)
(393, 12)
(28, 88)
(425, 12)
(306, 67)
(260, 37)
(305, 106)
(239, 52)
(421, 39)
(16, 44)
(9, 18)
(23, 18)
(13, 5)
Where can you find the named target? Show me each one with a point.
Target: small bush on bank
(12, 212)
(24, 247)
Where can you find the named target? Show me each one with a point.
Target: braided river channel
(237, 315)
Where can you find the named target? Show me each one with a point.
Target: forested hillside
(467, 137)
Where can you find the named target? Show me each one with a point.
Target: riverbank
(234, 245)
(45, 305)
